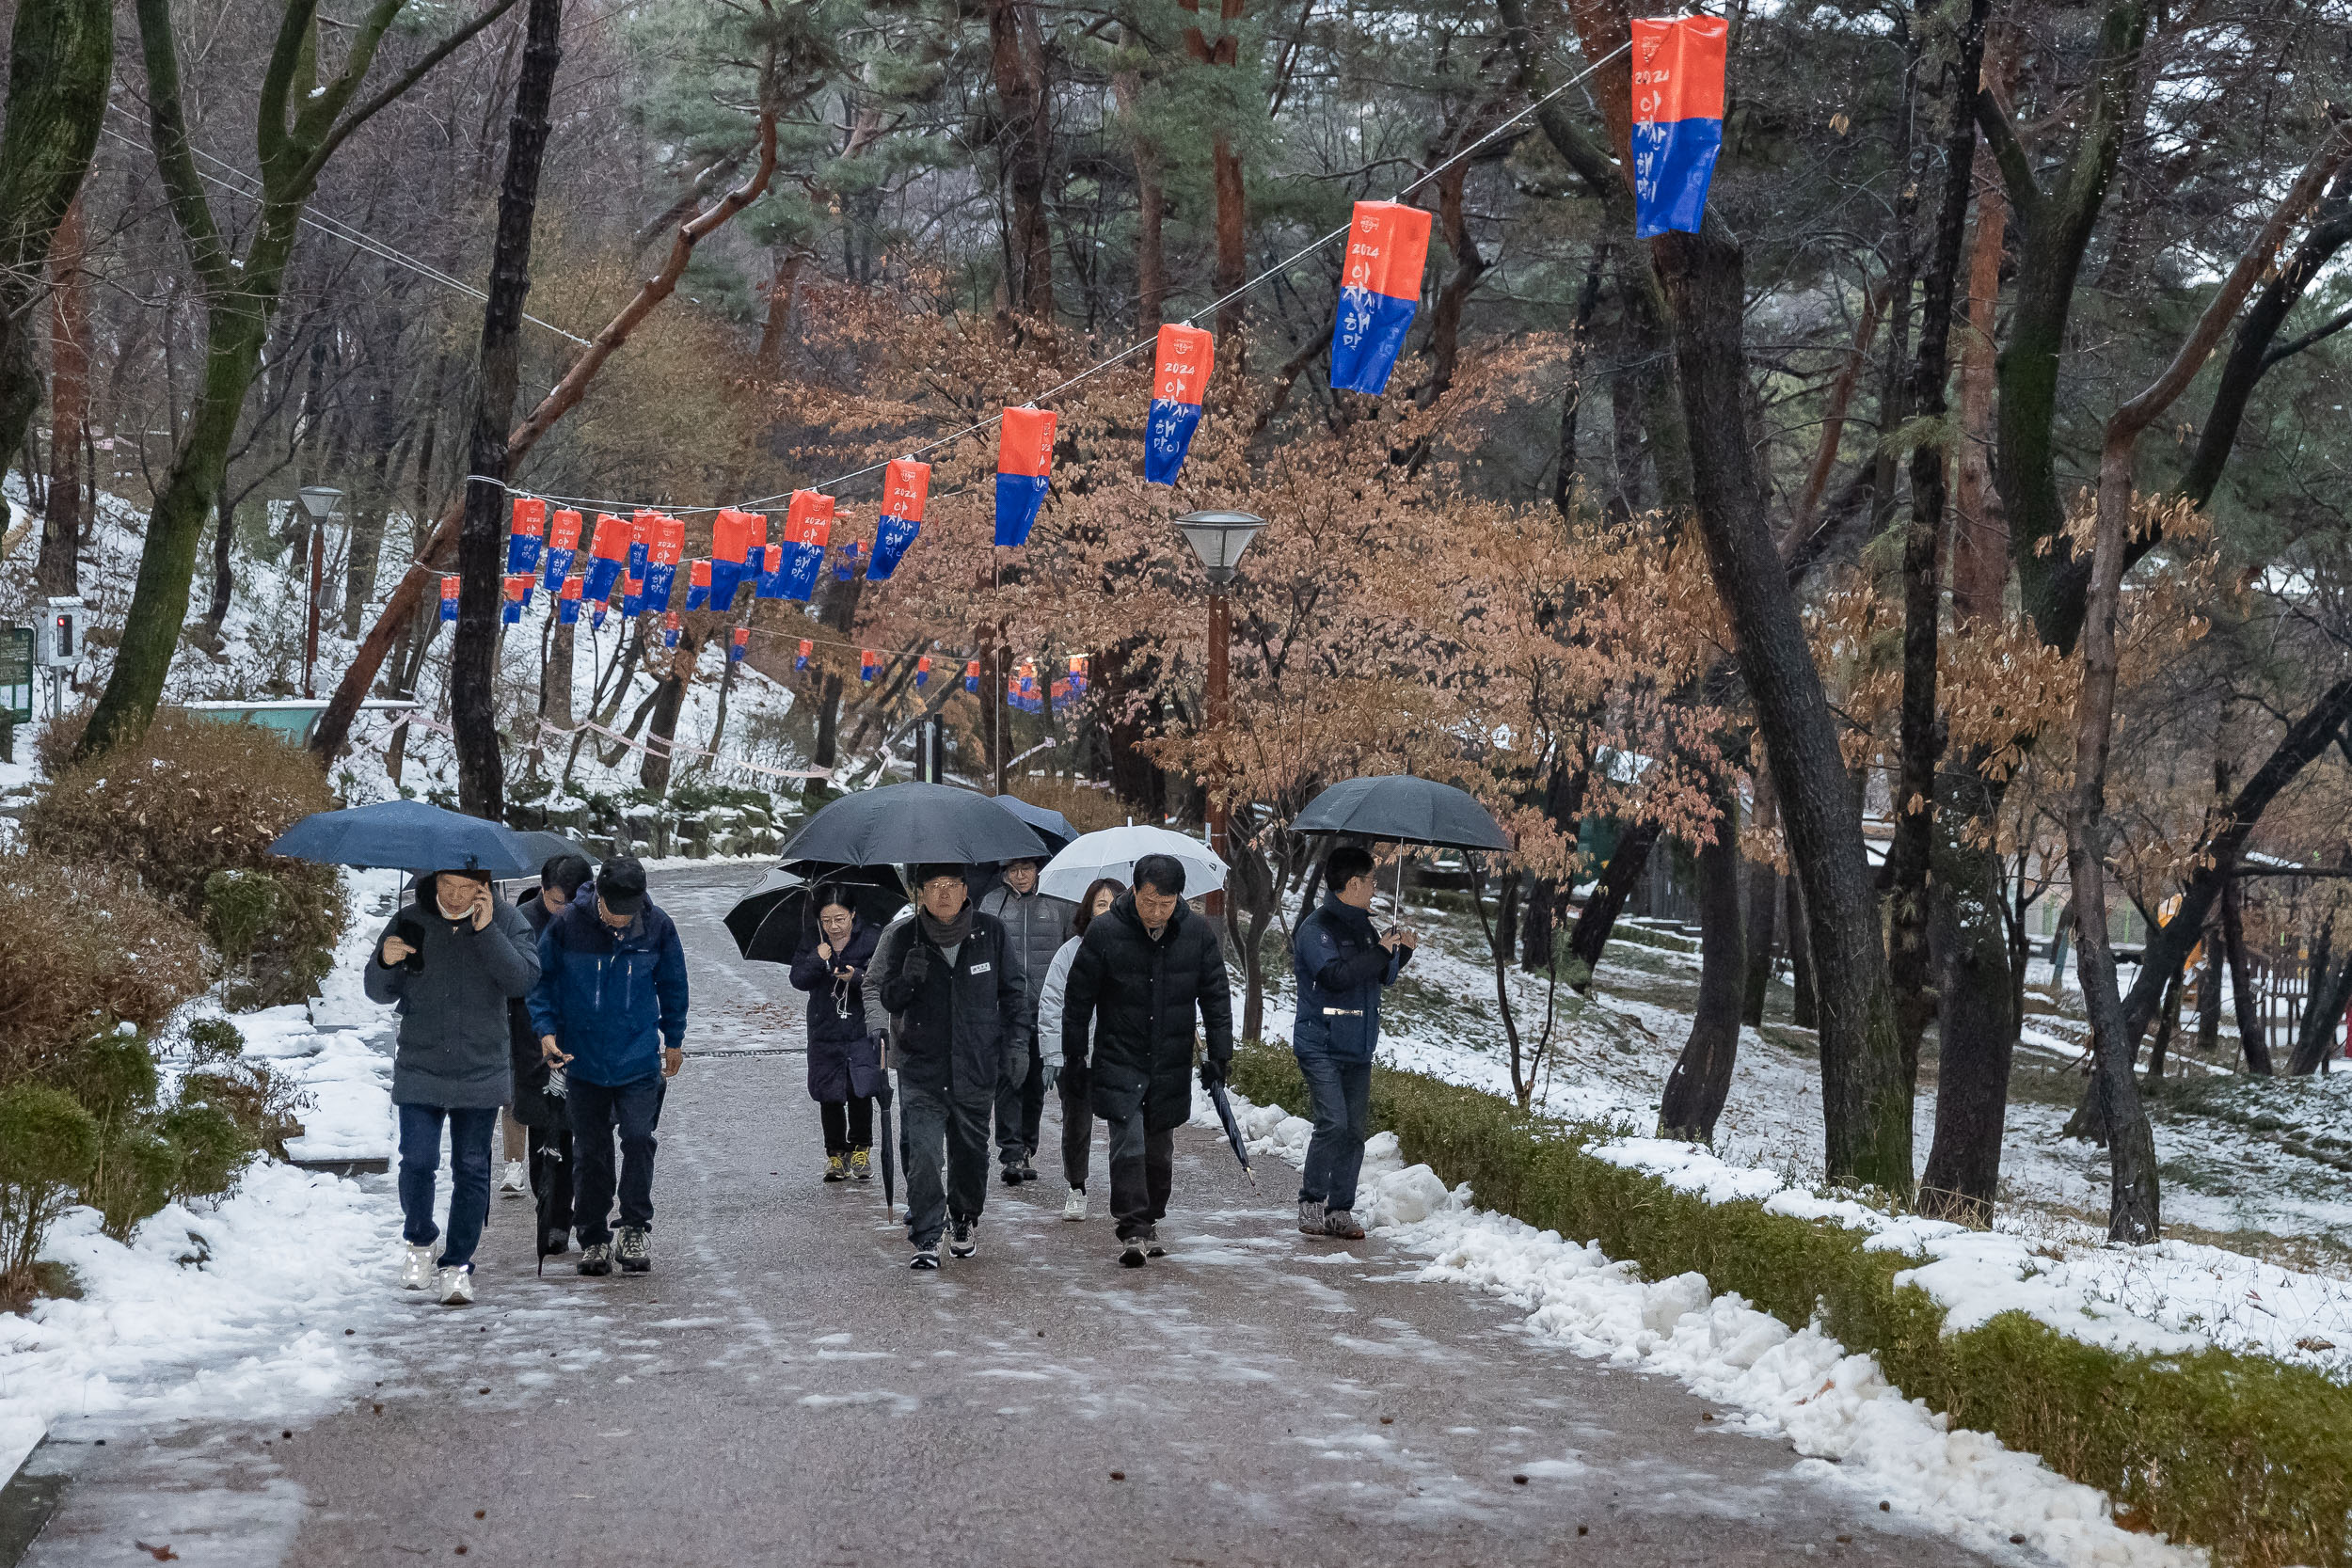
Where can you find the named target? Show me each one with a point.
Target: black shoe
(1152, 1247)
(1026, 1171)
(964, 1238)
(596, 1258)
(1012, 1175)
(555, 1243)
(925, 1259)
(633, 1249)
(1131, 1252)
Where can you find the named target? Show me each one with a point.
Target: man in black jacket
(1143, 970)
(957, 1006)
(539, 1104)
(1038, 924)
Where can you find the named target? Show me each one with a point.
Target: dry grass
(81, 946)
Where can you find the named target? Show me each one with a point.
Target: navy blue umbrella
(409, 835)
(907, 824)
(1051, 826)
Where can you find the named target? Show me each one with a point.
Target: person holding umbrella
(449, 963)
(1341, 962)
(1077, 1119)
(1037, 922)
(957, 1009)
(843, 1064)
(1140, 975)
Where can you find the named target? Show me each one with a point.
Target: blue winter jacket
(1341, 967)
(611, 999)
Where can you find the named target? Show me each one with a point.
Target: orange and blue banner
(665, 549)
(799, 660)
(807, 529)
(1379, 291)
(1180, 374)
(733, 537)
(448, 597)
(567, 602)
(1677, 120)
(739, 644)
(525, 534)
(698, 584)
(868, 662)
(608, 553)
(518, 597)
(922, 671)
(1024, 460)
(632, 597)
(563, 549)
(906, 485)
(669, 629)
(972, 674)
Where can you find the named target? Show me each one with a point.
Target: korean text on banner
(666, 550)
(906, 485)
(1379, 291)
(1181, 374)
(563, 549)
(525, 533)
(608, 552)
(1024, 459)
(1677, 120)
(807, 529)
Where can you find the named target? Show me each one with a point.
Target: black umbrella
(1232, 1130)
(1048, 824)
(769, 922)
(1403, 809)
(888, 1145)
(907, 824)
(547, 846)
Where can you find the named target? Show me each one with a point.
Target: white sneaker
(515, 1181)
(415, 1267)
(456, 1287)
(1074, 1206)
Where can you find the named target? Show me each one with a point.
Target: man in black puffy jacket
(1143, 972)
(1037, 925)
(957, 1006)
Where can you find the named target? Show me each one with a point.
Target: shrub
(212, 1148)
(238, 908)
(187, 799)
(214, 1039)
(138, 1168)
(48, 1144)
(261, 1100)
(2243, 1454)
(82, 946)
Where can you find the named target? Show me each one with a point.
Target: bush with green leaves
(214, 1147)
(48, 1145)
(212, 1039)
(239, 907)
(263, 1103)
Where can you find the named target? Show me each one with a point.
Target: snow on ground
(236, 1309)
(1834, 1409)
(2261, 1258)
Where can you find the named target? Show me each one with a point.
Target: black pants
(597, 1112)
(848, 1124)
(1021, 1110)
(942, 1144)
(551, 1176)
(1077, 1138)
(1143, 1168)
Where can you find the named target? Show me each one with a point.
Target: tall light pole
(320, 501)
(1218, 538)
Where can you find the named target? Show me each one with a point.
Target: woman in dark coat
(844, 1065)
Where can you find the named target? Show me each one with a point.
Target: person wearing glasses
(844, 1068)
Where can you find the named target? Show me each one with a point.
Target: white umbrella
(1113, 852)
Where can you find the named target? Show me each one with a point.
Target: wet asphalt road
(783, 1390)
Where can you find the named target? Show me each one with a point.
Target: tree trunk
(669, 698)
(1763, 903)
(1598, 916)
(2252, 1033)
(1977, 1034)
(2209, 994)
(1226, 176)
(60, 55)
(481, 539)
(1805, 1011)
(59, 568)
(1017, 61)
(224, 572)
(1151, 198)
(1833, 417)
(1572, 396)
(1445, 320)
(1980, 528)
(1701, 1079)
(2321, 1014)
(2168, 1021)
(555, 691)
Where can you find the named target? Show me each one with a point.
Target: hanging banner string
(1100, 365)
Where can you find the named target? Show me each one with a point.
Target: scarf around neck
(948, 933)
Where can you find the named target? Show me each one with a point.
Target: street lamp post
(320, 501)
(1218, 538)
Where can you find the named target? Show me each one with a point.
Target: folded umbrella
(908, 824)
(409, 835)
(1113, 852)
(1232, 1130)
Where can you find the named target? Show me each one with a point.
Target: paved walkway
(783, 1390)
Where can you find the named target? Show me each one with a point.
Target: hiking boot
(1311, 1218)
(456, 1288)
(513, 1181)
(415, 1267)
(1152, 1246)
(1026, 1171)
(1341, 1223)
(1131, 1252)
(1012, 1174)
(633, 1248)
(861, 1165)
(596, 1258)
(1074, 1206)
(964, 1238)
(925, 1259)
(836, 1168)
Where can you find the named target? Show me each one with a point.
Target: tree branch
(398, 85)
(168, 131)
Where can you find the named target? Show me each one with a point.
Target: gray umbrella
(1403, 809)
(907, 824)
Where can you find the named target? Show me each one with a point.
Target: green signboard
(16, 674)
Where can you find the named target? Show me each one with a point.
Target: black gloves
(916, 968)
(1211, 1073)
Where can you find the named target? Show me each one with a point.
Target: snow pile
(1837, 1409)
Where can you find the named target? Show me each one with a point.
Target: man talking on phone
(1341, 962)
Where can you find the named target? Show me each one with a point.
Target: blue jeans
(1343, 1112)
(470, 1177)
(598, 1112)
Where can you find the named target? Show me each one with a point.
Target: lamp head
(1218, 538)
(319, 501)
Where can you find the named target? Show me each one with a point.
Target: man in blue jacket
(1342, 963)
(611, 1008)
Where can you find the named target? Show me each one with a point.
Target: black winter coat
(954, 1030)
(1141, 996)
(842, 1063)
